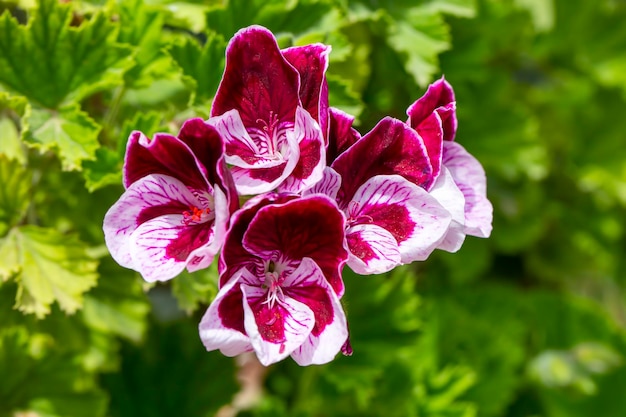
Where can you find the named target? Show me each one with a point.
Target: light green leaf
(193, 289)
(51, 267)
(419, 40)
(202, 67)
(342, 96)
(15, 183)
(105, 170)
(70, 131)
(11, 109)
(51, 63)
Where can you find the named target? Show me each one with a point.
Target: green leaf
(202, 67)
(142, 27)
(71, 62)
(69, 131)
(42, 381)
(342, 96)
(15, 183)
(193, 289)
(51, 267)
(118, 305)
(11, 110)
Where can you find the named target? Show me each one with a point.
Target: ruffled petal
(152, 196)
(311, 62)
(440, 98)
(162, 247)
(258, 81)
(341, 134)
(469, 176)
(165, 155)
(391, 147)
(451, 198)
(310, 227)
(329, 184)
(373, 250)
(308, 285)
(312, 161)
(275, 331)
(216, 327)
(414, 218)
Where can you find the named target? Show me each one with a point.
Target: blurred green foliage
(530, 322)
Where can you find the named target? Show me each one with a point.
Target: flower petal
(234, 256)
(341, 134)
(373, 250)
(216, 328)
(275, 331)
(310, 227)
(162, 247)
(152, 196)
(258, 81)
(431, 132)
(439, 97)
(308, 285)
(165, 155)
(391, 147)
(451, 198)
(329, 184)
(311, 62)
(312, 161)
(413, 217)
(469, 176)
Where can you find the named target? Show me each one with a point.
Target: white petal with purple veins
(324, 347)
(329, 184)
(147, 193)
(373, 250)
(215, 335)
(415, 219)
(312, 153)
(469, 176)
(451, 198)
(298, 320)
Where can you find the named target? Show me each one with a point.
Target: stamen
(194, 214)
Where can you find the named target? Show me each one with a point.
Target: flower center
(273, 280)
(195, 215)
(268, 137)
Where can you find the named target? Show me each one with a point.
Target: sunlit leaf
(52, 267)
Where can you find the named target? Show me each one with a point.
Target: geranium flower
(276, 296)
(178, 199)
(262, 109)
(381, 183)
(433, 116)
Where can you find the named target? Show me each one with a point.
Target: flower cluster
(316, 196)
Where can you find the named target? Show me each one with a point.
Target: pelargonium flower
(277, 298)
(382, 184)
(269, 107)
(178, 200)
(433, 116)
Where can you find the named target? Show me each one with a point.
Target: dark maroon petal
(392, 147)
(165, 154)
(258, 81)
(270, 321)
(341, 134)
(439, 94)
(311, 61)
(310, 227)
(310, 154)
(431, 132)
(207, 145)
(230, 310)
(394, 218)
(318, 300)
(234, 256)
(439, 97)
(189, 238)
